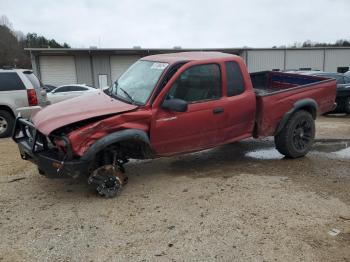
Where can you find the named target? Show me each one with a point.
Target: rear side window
(33, 80)
(235, 82)
(62, 89)
(10, 81)
(77, 88)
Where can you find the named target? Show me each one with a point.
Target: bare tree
(4, 21)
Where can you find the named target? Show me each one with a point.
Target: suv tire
(6, 123)
(297, 136)
(346, 105)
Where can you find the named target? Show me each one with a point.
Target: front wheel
(108, 180)
(297, 136)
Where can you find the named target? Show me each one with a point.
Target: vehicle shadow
(257, 157)
(340, 116)
(249, 156)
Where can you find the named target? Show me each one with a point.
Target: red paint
(74, 110)
(173, 132)
(272, 108)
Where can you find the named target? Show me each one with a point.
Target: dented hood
(77, 109)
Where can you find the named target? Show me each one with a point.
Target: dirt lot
(240, 202)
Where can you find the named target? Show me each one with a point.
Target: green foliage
(33, 40)
(309, 43)
(12, 44)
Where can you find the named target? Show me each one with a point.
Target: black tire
(7, 122)
(346, 105)
(297, 136)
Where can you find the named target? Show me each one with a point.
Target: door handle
(218, 110)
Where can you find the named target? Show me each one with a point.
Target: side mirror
(177, 105)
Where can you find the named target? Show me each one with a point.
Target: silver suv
(21, 92)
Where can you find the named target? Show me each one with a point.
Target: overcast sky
(186, 23)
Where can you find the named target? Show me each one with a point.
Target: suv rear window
(10, 81)
(33, 79)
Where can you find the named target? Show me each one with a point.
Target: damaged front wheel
(108, 180)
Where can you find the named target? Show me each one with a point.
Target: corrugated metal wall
(337, 58)
(260, 60)
(58, 70)
(318, 59)
(120, 63)
(101, 66)
(296, 59)
(84, 70)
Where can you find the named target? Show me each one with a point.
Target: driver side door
(200, 85)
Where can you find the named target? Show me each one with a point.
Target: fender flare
(123, 135)
(308, 104)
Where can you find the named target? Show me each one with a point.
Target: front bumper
(34, 147)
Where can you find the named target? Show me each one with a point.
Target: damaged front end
(53, 155)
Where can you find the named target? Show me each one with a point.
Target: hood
(77, 109)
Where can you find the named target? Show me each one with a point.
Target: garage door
(58, 70)
(119, 64)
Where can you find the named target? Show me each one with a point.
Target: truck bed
(277, 92)
(270, 82)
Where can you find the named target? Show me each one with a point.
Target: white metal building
(100, 67)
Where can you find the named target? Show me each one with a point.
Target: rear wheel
(6, 123)
(297, 136)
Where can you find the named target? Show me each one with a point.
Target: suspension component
(110, 177)
(108, 180)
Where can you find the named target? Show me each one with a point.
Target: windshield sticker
(159, 66)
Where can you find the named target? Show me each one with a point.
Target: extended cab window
(198, 83)
(235, 81)
(10, 82)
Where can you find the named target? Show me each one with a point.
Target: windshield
(138, 82)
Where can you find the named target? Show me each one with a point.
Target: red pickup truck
(172, 104)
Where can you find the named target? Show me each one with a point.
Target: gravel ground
(239, 202)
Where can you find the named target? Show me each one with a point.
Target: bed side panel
(271, 108)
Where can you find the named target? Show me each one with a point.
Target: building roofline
(129, 49)
(149, 51)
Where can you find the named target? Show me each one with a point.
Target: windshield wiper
(128, 95)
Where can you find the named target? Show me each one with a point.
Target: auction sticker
(159, 66)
